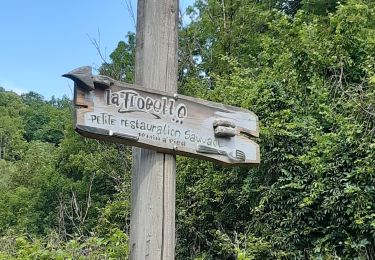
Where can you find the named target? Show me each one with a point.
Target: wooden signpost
(115, 111)
(151, 115)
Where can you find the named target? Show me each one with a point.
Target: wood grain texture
(159, 125)
(163, 121)
(152, 231)
(128, 104)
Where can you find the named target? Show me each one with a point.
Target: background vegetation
(305, 67)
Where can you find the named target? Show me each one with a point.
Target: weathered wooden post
(151, 115)
(152, 224)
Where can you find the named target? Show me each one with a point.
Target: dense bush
(306, 68)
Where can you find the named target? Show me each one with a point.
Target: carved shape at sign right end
(224, 127)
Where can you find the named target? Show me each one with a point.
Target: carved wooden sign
(111, 110)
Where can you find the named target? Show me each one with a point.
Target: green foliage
(309, 79)
(95, 167)
(19, 247)
(11, 125)
(53, 183)
(306, 68)
(42, 120)
(122, 62)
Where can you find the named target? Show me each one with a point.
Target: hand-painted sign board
(111, 110)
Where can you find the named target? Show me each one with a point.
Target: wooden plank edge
(94, 133)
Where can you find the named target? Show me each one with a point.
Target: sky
(42, 39)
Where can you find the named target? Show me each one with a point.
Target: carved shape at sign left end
(82, 77)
